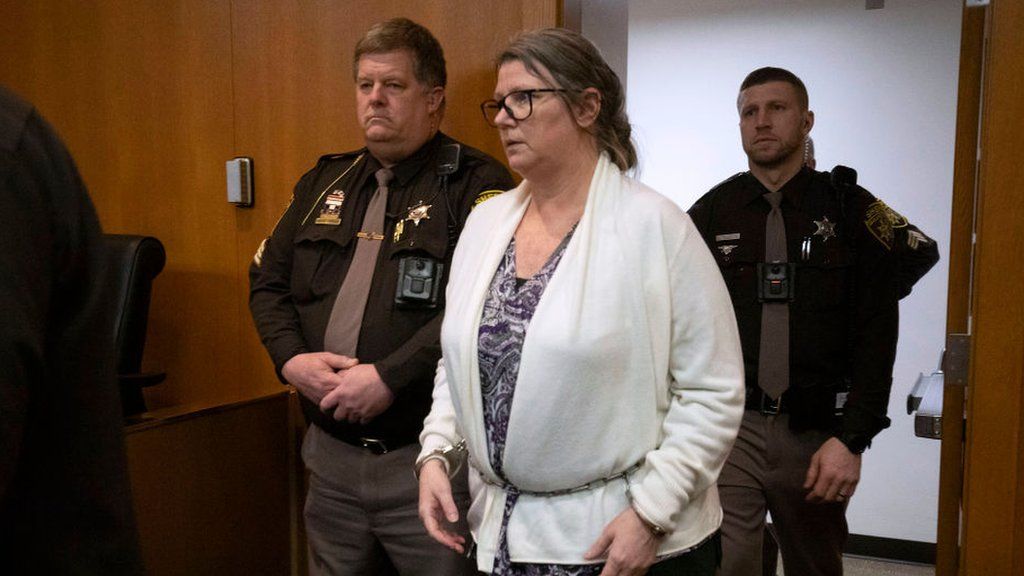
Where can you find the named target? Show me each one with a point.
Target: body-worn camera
(419, 282)
(776, 281)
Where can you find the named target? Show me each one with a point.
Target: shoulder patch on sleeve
(485, 196)
(881, 220)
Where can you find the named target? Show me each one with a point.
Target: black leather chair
(132, 264)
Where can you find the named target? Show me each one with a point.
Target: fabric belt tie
(773, 356)
(342, 335)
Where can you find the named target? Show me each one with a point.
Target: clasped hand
(340, 385)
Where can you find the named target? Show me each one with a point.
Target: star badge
(418, 213)
(825, 229)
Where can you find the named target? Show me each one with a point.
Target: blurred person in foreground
(65, 502)
(591, 363)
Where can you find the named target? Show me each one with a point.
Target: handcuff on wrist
(656, 530)
(453, 455)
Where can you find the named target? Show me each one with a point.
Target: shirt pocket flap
(340, 235)
(736, 253)
(430, 238)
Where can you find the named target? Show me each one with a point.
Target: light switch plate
(239, 178)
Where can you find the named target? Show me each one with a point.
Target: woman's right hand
(437, 508)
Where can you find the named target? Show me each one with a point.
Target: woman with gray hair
(591, 363)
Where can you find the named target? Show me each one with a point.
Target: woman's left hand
(437, 507)
(628, 545)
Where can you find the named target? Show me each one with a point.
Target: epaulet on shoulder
(341, 155)
(471, 152)
(728, 181)
(475, 157)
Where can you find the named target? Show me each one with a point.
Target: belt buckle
(374, 445)
(770, 407)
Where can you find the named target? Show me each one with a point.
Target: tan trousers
(765, 472)
(362, 513)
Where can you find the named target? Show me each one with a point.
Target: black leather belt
(763, 403)
(374, 445)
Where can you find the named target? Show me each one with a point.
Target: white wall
(883, 86)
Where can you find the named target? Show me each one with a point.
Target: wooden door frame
(991, 531)
(965, 170)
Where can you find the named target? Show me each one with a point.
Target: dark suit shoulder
(14, 115)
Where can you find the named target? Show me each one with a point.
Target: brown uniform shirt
(296, 276)
(843, 321)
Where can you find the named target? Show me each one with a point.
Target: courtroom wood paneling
(993, 539)
(141, 92)
(211, 488)
(295, 97)
(152, 98)
(958, 295)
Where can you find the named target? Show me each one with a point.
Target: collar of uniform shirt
(407, 169)
(792, 190)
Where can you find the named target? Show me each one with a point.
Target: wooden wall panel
(141, 92)
(211, 488)
(152, 98)
(295, 98)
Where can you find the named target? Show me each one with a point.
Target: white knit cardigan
(632, 356)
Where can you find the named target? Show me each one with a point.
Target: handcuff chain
(509, 487)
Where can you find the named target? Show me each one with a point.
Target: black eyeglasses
(518, 105)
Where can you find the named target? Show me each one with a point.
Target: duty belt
(509, 487)
(763, 403)
(377, 446)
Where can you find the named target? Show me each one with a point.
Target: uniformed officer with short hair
(347, 295)
(812, 277)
